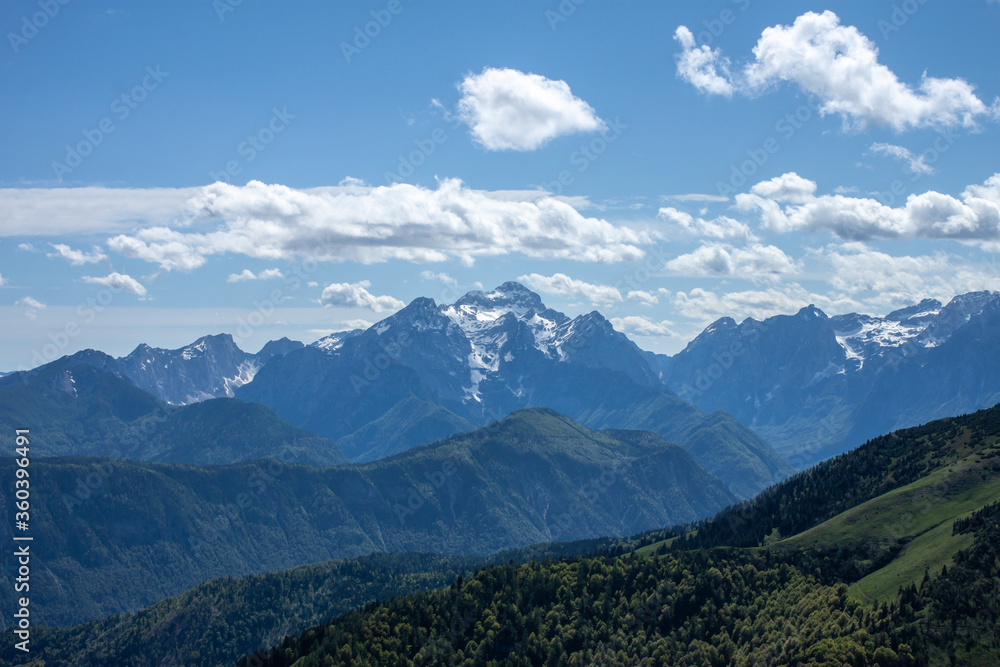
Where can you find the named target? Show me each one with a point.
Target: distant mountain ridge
(77, 409)
(150, 530)
(814, 386)
(210, 367)
(429, 371)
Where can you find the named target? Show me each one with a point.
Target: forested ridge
(714, 594)
(727, 591)
(706, 607)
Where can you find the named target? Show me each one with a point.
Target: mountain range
(815, 386)
(76, 409)
(810, 385)
(145, 531)
(210, 367)
(883, 556)
(431, 370)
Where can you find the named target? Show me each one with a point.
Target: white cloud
(357, 295)
(974, 217)
(350, 325)
(707, 306)
(695, 196)
(645, 297)
(2, 281)
(247, 274)
(442, 277)
(722, 228)
(789, 187)
(54, 211)
(839, 66)
(368, 225)
(507, 109)
(756, 262)
(31, 306)
(856, 278)
(26, 247)
(915, 163)
(562, 285)
(77, 257)
(704, 68)
(642, 326)
(119, 282)
(30, 302)
(885, 282)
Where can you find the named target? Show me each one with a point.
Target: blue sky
(176, 169)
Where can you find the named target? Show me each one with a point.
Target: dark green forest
(719, 592)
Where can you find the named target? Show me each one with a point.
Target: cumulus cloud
(562, 285)
(789, 187)
(30, 302)
(351, 325)
(442, 277)
(507, 109)
(31, 306)
(722, 227)
(707, 306)
(756, 262)
(118, 282)
(856, 278)
(247, 274)
(643, 326)
(915, 163)
(368, 225)
(77, 257)
(839, 66)
(887, 282)
(704, 68)
(647, 298)
(171, 249)
(357, 295)
(974, 216)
